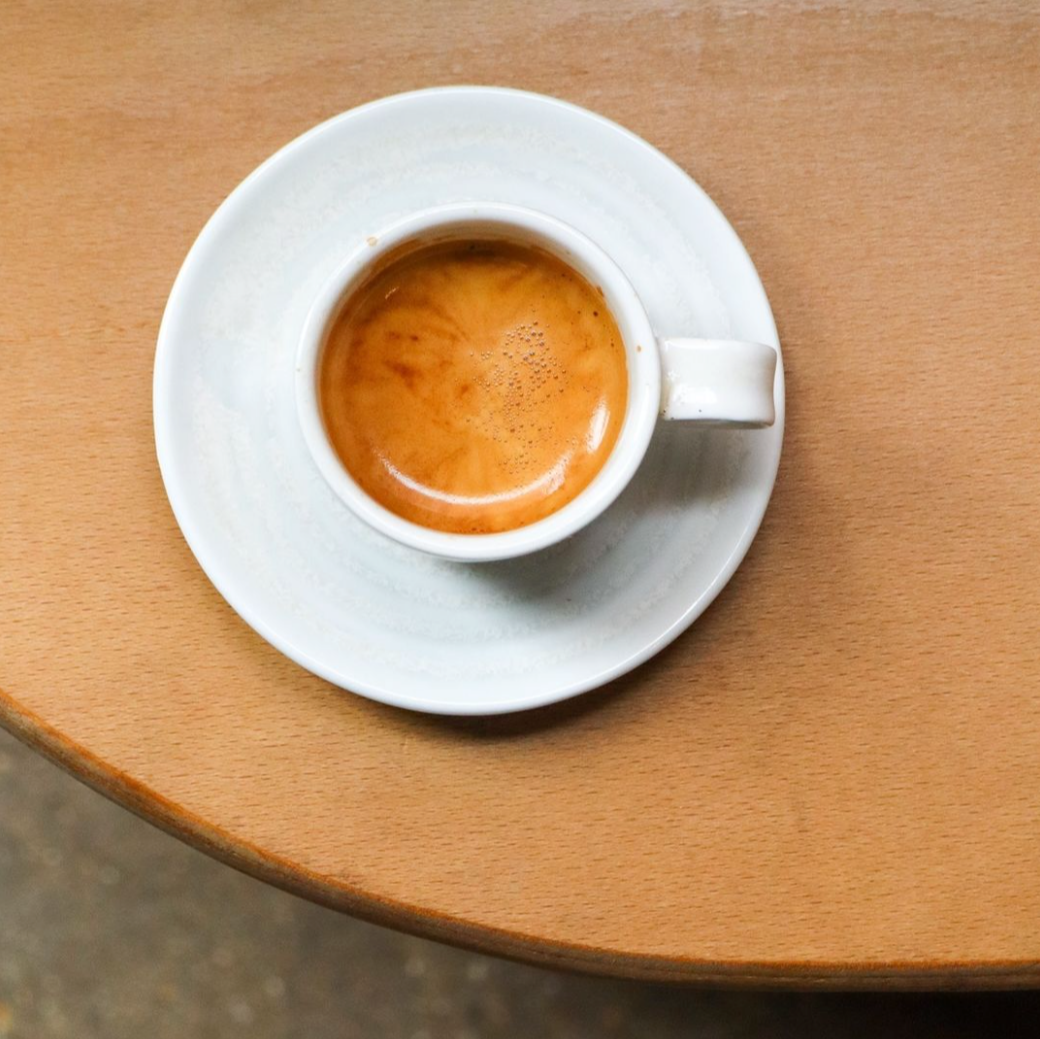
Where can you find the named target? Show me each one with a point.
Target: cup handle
(718, 381)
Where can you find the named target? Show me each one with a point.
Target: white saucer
(361, 611)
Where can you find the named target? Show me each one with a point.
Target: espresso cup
(705, 381)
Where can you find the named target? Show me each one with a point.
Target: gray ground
(111, 929)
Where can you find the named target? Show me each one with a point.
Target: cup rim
(573, 247)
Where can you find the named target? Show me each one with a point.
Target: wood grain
(834, 777)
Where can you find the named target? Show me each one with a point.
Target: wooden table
(834, 777)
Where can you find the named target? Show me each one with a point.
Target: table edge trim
(254, 861)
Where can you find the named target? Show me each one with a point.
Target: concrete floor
(111, 929)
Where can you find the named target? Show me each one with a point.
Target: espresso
(475, 386)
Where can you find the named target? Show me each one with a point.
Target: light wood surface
(834, 777)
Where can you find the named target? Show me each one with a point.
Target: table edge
(254, 861)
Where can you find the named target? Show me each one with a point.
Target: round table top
(833, 777)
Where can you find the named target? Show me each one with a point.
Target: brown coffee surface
(474, 386)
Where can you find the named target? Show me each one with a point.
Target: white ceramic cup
(709, 381)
